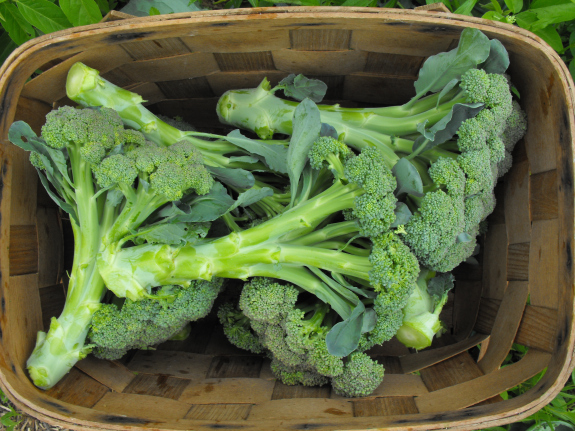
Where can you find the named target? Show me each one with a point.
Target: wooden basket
(181, 64)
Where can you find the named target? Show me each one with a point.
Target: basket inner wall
(206, 379)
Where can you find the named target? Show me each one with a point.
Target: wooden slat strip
(79, 389)
(505, 326)
(384, 406)
(538, 328)
(245, 61)
(111, 374)
(544, 198)
(52, 300)
(134, 409)
(224, 81)
(235, 366)
(320, 39)
(516, 209)
(425, 358)
(498, 214)
(244, 42)
(393, 64)
(157, 386)
(308, 408)
(50, 246)
(219, 412)
(486, 316)
(238, 390)
(186, 88)
(23, 199)
(23, 250)
(174, 68)
(371, 88)
(450, 372)
(544, 263)
(153, 49)
(495, 262)
(179, 364)
(518, 262)
(320, 62)
(282, 391)
(391, 364)
(483, 387)
(466, 305)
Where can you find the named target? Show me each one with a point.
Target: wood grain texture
(235, 366)
(426, 358)
(245, 61)
(79, 389)
(488, 309)
(517, 201)
(320, 62)
(111, 374)
(495, 262)
(231, 390)
(50, 246)
(544, 263)
(157, 386)
(371, 88)
(385, 406)
(186, 88)
(466, 303)
(282, 391)
(223, 81)
(538, 328)
(303, 409)
(451, 372)
(393, 64)
(518, 262)
(52, 299)
(505, 326)
(320, 40)
(219, 412)
(178, 364)
(23, 250)
(152, 49)
(251, 41)
(544, 197)
(137, 407)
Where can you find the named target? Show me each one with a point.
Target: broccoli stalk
(421, 313)
(88, 164)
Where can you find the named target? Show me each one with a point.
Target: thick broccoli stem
(57, 351)
(235, 255)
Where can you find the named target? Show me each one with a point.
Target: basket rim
(21, 63)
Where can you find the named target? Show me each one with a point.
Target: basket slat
(495, 262)
(79, 389)
(517, 203)
(246, 42)
(301, 408)
(52, 299)
(505, 326)
(149, 50)
(544, 198)
(219, 412)
(111, 374)
(320, 62)
(544, 263)
(385, 406)
(23, 250)
(518, 262)
(195, 64)
(229, 390)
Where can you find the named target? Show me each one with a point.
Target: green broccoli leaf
(62, 204)
(440, 285)
(233, 177)
(299, 87)
(328, 130)
(174, 234)
(344, 337)
(369, 320)
(274, 155)
(498, 60)
(306, 130)
(408, 178)
(445, 128)
(440, 69)
(402, 214)
(448, 87)
(251, 196)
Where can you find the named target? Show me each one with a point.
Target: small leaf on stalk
(306, 129)
(328, 130)
(299, 88)
(498, 60)
(251, 196)
(275, 156)
(463, 237)
(402, 214)
(448, 87)
(369, 320)
(408, 178)
(343, 338)
(233, 177)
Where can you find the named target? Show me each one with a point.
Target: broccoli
(87, 162)
(421, 313)
(304, 245)
(237, 328)
(150, 321)
(360, 377)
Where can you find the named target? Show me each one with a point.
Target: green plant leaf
(360, 3)
(275, 156)
(402, 214)
(572, 68)
(208, 207)
(81, 12)
(445, 128)
(497, 7)
(103, 5)
(18, 28)
(545, 16)
(251, 196)
(142, 7)
(448, 87)
(233, 177)
(498, 60)
(408, 178)
(328, 130)
(172, 233)
(493, 16)
(550, 35)
(466, 8)
(7, 45)
(343, 338)
(514, 6)
(441, 284)
(440, 69)
(44, 15)
(306, 130)
(154, 11)
(369, 320)
(299, 88)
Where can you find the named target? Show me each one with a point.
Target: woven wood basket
(181, 64)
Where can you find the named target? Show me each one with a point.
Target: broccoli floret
(294, 375)
(265, 300)
(421, 314)
(148, 322)
(360, 377)
(237, 329)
